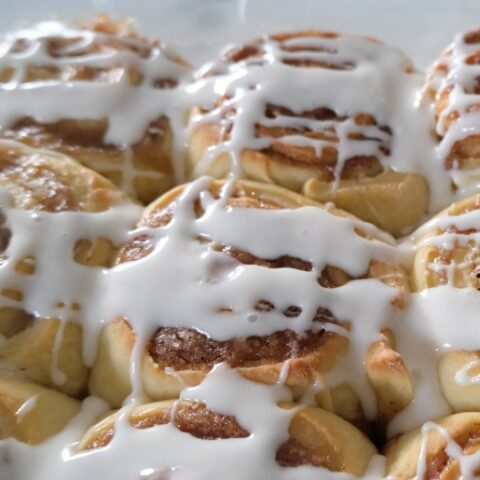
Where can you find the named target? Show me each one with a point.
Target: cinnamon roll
(452, 88)
(97, 91)
(316, 437)
(178, 355)
(446, 248)
(298, 110)
(31, 413)
(447, 255)
(442, 449)
(34, 183)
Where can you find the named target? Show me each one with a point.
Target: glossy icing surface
(187, 283)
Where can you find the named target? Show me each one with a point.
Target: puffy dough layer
(31, 413)
(317, 437)
(362, 183)
(261, 358)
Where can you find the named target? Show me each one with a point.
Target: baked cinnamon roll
(452, 88)
(31, 413)
(446, 250)
(34, 183)
(316, 437)
(298, 110)
(97, 91)
(442, 449)
(177, 356)
(447, 254)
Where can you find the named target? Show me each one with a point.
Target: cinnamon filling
(355, 167)
(468, 265)
(181, 348)
(198, 421)
(74, 134)
(256, 49)
(142, 245)
(325, 161)
(472, 37)
(192, 418)
(293, 454)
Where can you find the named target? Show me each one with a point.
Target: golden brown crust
(389, 377)
(462, 397)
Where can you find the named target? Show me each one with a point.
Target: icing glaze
(181, 275)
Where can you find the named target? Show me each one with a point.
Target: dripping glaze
(311, 233)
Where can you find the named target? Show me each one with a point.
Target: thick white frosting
(183, 282)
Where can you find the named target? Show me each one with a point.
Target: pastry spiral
(452, 88)
(176, 356)
(316, 437)
(442, 449)
(254, 322)
(116, 65)
(330, 153)
(447, 254)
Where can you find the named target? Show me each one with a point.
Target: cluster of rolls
(68, 166)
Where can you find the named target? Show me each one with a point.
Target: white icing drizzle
(429, 327)
(184, 282)
(468, 463)
(27, 406)
(377, 81)
(463, 377)
(454, 75)
(50, 238)
(431, 324)
(58, 377)
(314, 234)
(129, 108)
(257, 413)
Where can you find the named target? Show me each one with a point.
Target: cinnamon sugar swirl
(177, 355)
(452, 88)
(245, 327)
(316, 437)
(448, 255)
(77, 88)
(442, 449)
(308, 103)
